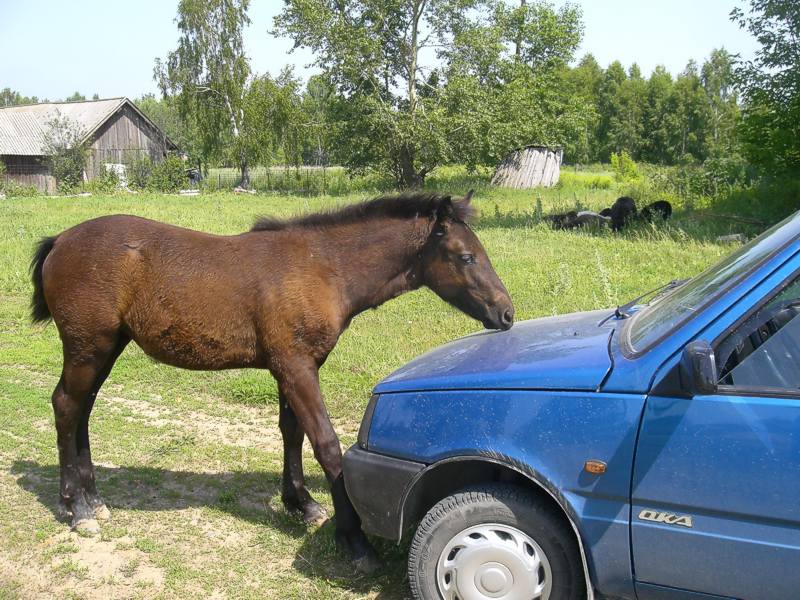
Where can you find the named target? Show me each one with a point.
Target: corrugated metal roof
(22, 128)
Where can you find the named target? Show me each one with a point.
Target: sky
(51, 48)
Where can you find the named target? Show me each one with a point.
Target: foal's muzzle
(501, 316)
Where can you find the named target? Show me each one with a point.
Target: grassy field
(189, 463)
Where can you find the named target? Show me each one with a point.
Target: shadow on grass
(244, 495)
(319, 558)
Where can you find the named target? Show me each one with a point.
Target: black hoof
(314, 514)
(310, 511)
(101, 513)
(86, 527)
(62, 512)
(367, 564)
(365, 559)
(82, 517)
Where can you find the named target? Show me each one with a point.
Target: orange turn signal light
(595, 467)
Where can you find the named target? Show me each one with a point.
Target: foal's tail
(39, 309)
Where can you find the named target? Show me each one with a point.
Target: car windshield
(666, 312)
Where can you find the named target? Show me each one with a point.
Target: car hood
(567, 352)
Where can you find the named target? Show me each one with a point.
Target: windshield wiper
(622, 311)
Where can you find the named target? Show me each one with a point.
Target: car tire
(500, 541)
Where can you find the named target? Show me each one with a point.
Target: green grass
(190, 462)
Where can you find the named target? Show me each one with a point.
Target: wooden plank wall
(124, 136)
(529, 167)
(29, 170)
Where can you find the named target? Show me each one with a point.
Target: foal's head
(455, 266)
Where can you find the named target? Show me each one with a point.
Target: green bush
(769, 200)
(67, 168)
(12, 189)
(106, 181)
(715, 178)
(66, 154)
(169, 175)
(726, 172)
(624, 167)
(137, 172)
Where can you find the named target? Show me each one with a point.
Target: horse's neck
(379, 261)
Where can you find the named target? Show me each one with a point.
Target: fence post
(269, 188)
(219, 181)
(323, 180)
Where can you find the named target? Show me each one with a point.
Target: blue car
(650, 452)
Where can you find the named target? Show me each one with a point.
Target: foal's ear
(445, 212)
(445, 209)
(463, 210)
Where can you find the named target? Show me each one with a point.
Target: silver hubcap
(493, 561)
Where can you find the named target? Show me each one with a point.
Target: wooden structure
(114, 130)
(528, 167)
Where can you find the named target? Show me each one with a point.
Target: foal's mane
(398, 206)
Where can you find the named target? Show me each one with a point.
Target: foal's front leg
(298, 380)
(295, 496)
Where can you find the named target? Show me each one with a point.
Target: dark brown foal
(277, 297)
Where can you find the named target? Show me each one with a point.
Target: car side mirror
(698, 369)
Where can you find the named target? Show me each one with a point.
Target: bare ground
(179, 514)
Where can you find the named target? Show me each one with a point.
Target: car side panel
(646, 591)
(731, 464)
(548, 434)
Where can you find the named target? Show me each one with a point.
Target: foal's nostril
(508, 318)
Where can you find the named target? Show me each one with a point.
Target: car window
(763, 352)
(651, 323)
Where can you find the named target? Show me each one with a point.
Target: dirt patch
(241, 426)
(34, 377)
(250, 428)
(16, 438)
(215, 533)
(88, 567)
(261, 433)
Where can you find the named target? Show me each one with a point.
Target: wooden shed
(114, 129)
(528, 167)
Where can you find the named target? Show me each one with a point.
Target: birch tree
(770, 85)
(209, 73)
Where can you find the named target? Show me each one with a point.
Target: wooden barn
(114, 131)
(528, 167)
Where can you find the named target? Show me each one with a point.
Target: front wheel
(494, 541)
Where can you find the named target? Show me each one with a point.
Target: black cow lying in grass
(622, 213)
(654, 210)
(573, 219)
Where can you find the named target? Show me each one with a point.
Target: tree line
(661, 119)
(9, 97)
(406, 87)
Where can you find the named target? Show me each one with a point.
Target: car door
(716, 484)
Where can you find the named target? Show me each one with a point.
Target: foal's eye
(468, 259)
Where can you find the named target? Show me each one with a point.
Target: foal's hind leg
(85, 466)
(81, 370)
(69, 403)
(295, 496)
